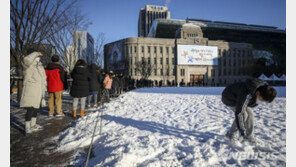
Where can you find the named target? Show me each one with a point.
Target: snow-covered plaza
(176, 127)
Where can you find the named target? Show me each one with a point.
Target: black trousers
(105, 96)
(31, 112)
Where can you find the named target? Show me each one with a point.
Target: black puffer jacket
(80, 85)
(93, 83)
(235, 94)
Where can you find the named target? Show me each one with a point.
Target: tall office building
(83, 44)
(147, 15)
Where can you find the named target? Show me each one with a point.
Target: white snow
(176, 127)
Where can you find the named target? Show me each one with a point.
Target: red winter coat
(55, 77)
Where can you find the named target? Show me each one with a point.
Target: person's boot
(74, 113)
(82, 113)
(35, 127)
(28, 127)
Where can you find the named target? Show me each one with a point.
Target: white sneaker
(95, 106)
(28, 131)
(60, 115)
(36, 128)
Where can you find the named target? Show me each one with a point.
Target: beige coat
(34, 81)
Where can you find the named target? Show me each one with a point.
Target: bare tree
(98, 49)
(145, 68)
(62, 40)
(32, 21)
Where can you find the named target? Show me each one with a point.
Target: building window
(174, 71)
(173, 50)
(131, 49)
(250, 53)
(143, 59)
(224, 62)
(225, 72)
(161, 71)
(135, 59)
(148, 49)
(135, 72)
(155, 49)
(160, 49)
(155, 71)
(148, 60)
(142, 49)
(229, 62)
(167, 50)
(219, 72)
(167, 60)
(161, 60)
(154, 60)
(224, 53)
(229, 71)
(182, 72)
(135, 49)
(168, 72)
(173, 61)
(213, 72)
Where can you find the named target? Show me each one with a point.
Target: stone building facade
(161, 53)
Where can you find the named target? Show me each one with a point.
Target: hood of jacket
(254, 83)
(93, 68)
(79, 69)
(31, 59)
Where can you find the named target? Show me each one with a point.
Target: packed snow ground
(176, 127)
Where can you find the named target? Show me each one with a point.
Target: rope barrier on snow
(93, 135)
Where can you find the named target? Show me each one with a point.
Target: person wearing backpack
(80, 86)
(93, 85)
(240, 98)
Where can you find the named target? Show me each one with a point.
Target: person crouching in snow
(241, 97)
(33, 90)
(80, 86)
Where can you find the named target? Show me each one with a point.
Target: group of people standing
(89, 84)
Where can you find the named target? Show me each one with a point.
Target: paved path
(36, 149)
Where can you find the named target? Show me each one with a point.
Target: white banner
(197, 55)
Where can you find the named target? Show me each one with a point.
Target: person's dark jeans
(31, 112)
